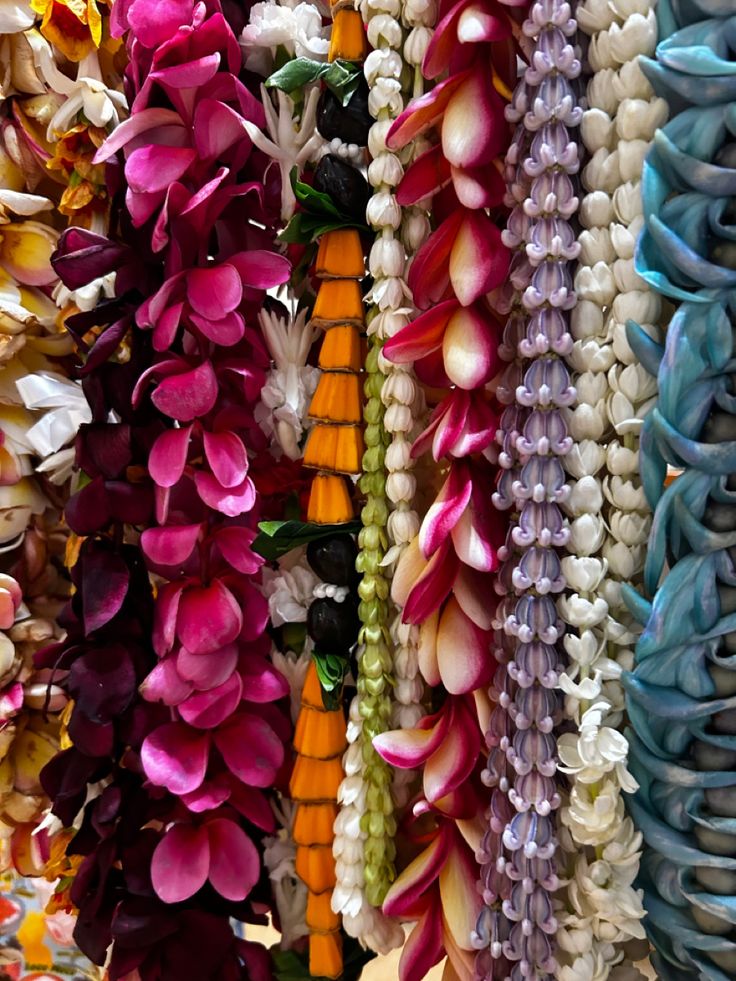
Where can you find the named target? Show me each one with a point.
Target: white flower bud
(383, 211)
(384, 31)
(620, 460)
(581, 612)
(415, 229)
(386, 258)
(398, 418)
(587, 534)
(377, 136)
(587, 317)
(596, 209)
(626, 277)
(623, 238)
(416, 44)
(597, 129)
(586, 457)
(596, 246)
(399, 387)
(631, 159)
(624, 494)
(596, 283)
(385, 93)
(583, 573)
(600, 90)
(385, 169)
(624, 560)
(401, 486)
(382, 63)
(588, 421)
(398, 455)
(586, 497)
(584, 649)
(630, 527)
(403, 526)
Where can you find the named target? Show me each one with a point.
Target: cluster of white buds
(609, 518)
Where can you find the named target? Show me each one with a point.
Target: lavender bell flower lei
(540, 166)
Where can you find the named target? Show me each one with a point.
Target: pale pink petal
(168, 456)
(261, 681)
(471, 591)
(417, 877)
(216, 128)
(188, 74)
(153, 168)
(207, 709)
(478, 187)
(209, 617)
(171, 545)
(410, 566)
(476, 99)
(478, 24)
(205, 671)
(227, 457)
(251, 749)
(432, 587)
(132, 127)
(165, 684)
(479, 261)
(446, 509)
(463, 651)
(443, 44)
(175, 756)
(470, 348)
(423, 335)
(214, 290)
(231, 501)
(427, 650)
(409, 748)
(422, 113)
(189, 395)
(461, 901)
(180, 863)
(234, 863)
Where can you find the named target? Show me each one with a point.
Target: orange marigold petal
(316, 867)
(320, 917)
(325, 955)
(320, 735)
(340, 255)
(315, 780)
(337, 398)
(340, 349)
(338, 300)
(348, 38)
(329, 500)
(314, 824)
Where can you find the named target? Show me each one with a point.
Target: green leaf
(314, 201)
(341, 77)
(276, 538)
(331, 670)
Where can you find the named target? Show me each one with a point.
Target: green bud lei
(375, 661)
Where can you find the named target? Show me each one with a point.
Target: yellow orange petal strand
(337, 398)
(314, 824)
(348, 38)
(340, 349)
(329, 500)
(319, 735)
(320, 917)
(338, 300)
(350, 449)
(312, 690)
(315, 780)
(325, 955)
(340, 255)
(315, 866)
(338, 448)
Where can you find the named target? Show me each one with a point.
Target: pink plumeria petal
(470, 348)
(164, 616)
(180, 863)
(423, 947)
(134, 126)
(422, 113)
(427, 650)
(476, 99)
(168, 456)
(209, 617)
(429, 275)
(253, 805)
(261, 269)
(463, 651)
(225, 332)
(479, 261)
(410, 748)
(175, 756)
(261, 681)
(232, 501)
(429, 173)
(189, 395)
(214, 290)
(207, 709)
(479, 534)
(478, 24)
(443, 44)
(188, 74)
(153, 168)
(410, 566)
(205, 671)
(156, 21)
(421, 336)
(235, 543)
(216, 128)
(432, 587)
(454, 759)
(251, 749)
(164, 684)
(171, 545)
(234, 863)
(212, 794)
(417, 877)
(227, 457)
(446, 509)
(164, 333)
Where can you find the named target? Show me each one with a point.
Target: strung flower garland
(606, 543)
(680, 693)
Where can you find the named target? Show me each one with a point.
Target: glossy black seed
(333, 626)
(346, 186)
(348, 123)
(333, 559)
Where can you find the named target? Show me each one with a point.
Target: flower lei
(679, 695)
(609, 518)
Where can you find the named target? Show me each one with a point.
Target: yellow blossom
(86, 192)
(74, 26)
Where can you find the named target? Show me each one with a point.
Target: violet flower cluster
(542, 163)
